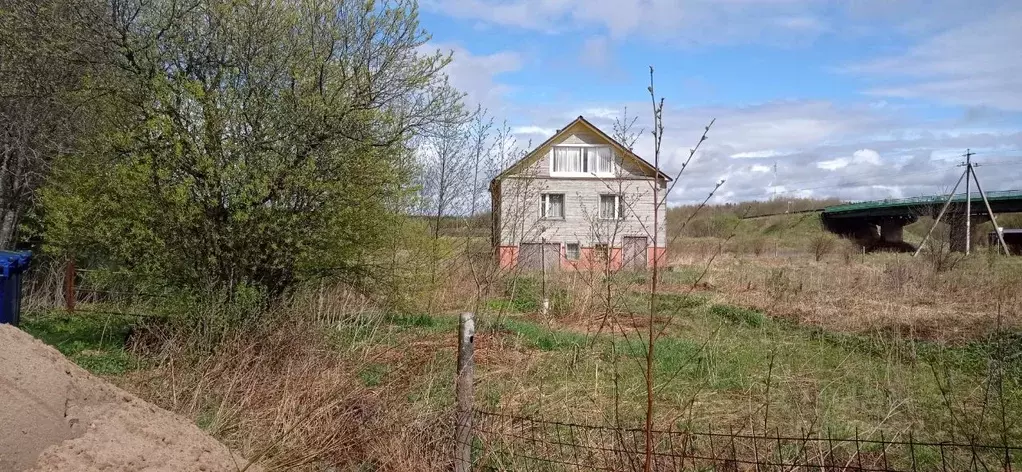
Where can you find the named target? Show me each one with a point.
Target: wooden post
(69, 285)
(542, 253)
(463, 393)
(968, 202)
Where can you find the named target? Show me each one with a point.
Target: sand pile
(55, 416)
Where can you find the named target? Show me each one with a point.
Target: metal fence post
(463, 393)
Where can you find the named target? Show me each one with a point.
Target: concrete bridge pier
(890, 233)
(892, 230)
(873, 233)
(956, 231)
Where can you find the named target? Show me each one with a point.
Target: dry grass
(857, 293)
(291, 393)
(328, 380)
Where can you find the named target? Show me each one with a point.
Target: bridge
(881, 223)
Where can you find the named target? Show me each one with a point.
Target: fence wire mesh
(507, 442)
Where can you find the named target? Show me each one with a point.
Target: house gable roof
(536, 153)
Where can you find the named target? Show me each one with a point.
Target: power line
(1004, 163)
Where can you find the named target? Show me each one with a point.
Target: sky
(856, 99)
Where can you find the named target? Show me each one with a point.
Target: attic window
(581, 160)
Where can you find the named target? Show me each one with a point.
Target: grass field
(756, 336)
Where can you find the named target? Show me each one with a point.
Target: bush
(780, 285)
(822, 244)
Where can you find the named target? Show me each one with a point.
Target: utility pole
(968, 199)
(970, 172)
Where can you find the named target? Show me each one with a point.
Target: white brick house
(579, 198)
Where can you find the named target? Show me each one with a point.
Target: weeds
(739, 315)
(95, 342)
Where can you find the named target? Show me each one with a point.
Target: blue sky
(858, 99)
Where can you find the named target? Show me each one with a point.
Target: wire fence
(507, 442)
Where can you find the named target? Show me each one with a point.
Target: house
(579, 200)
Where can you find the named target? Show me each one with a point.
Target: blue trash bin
(12, 265)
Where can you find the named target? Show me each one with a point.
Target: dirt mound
(55, 416)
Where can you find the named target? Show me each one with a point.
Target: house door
(532, 256)
(633, 255)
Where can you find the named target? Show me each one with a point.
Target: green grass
(542, 338)
(373, 374)
(714, 363)
(95, 342)
(740, 315)
(421, 321)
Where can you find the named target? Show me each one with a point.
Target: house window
(582, 160)
(602, 160)
(611, 207)
(572, 251)
(568, 160)
(553, 206)
(601, 252)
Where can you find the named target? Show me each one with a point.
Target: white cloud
(476, 75)
(820, 149)
(534, 130)
(601, 113)
(802, 23)
(756, 154)
(975, 64)
(833, 164)
(698, 22)
(866, 156)
(686, 20)
(959, 54)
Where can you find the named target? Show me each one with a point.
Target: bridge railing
(922, 200)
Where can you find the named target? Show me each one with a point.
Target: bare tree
(482, 147)
(446, 168)
(624, 130)
(505, 151)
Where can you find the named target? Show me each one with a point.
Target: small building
(579, 200)
(1012, 237)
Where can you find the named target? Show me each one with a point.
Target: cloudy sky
(862, 99)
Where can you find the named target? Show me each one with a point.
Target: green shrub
(525, 294)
